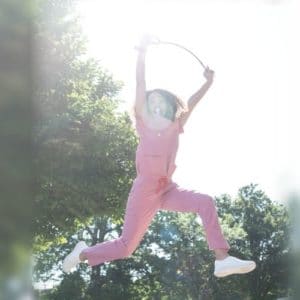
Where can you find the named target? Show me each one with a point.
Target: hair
(176, 106)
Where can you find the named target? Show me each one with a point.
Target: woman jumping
(160, 117)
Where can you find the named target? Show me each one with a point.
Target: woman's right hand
(146, 40)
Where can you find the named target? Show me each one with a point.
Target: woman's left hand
(209, 74)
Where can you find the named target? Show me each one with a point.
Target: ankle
(82, 257)
(221, 254)
(221, 257)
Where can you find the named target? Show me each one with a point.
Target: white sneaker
(72, 259)
(232, 265)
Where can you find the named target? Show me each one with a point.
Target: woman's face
(157, 104)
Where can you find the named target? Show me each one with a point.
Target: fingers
(208, 70)
(145, 41)
(208, 73)
(148, 39)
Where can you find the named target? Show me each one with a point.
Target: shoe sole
(241, 270)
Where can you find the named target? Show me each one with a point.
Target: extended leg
(181, 200)
(140, 210)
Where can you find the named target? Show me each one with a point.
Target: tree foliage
(84, 148)
(84, 159)
(173, 260)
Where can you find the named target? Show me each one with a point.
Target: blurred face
(157, 105)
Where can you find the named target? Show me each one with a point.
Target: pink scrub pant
(147, 196)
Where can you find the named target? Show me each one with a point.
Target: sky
(245, 128)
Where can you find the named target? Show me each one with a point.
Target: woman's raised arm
(140, 96)
(198, 95)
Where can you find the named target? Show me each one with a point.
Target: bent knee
(128, 252)
(128, 249)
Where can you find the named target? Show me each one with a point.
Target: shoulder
(141, 116)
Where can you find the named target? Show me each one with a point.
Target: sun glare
(240, 133)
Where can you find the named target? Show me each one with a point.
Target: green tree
(105, 281)
(173, 260)
(294, 210)
(84, 148)
(71, 287)
(16, 175)
(266, 226)
(181, 267)
(84, 154)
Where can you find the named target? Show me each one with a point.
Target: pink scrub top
(157, 149)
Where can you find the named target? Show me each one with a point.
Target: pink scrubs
(153, 190)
